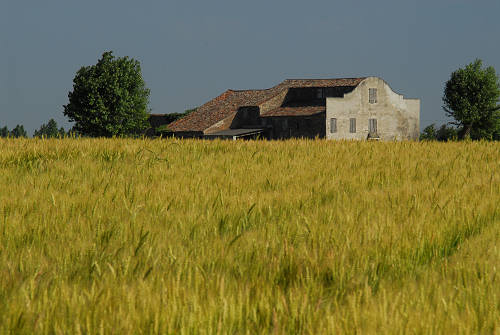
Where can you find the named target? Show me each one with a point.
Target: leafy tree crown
(471, 98)
(109, 98)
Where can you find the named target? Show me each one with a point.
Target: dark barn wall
(296, 126)
(313, 96)
(246, 117)
(188, 134)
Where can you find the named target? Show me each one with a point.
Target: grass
(207, 237)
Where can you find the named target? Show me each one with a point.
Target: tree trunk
(466, 132)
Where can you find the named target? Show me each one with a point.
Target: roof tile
(228, 102)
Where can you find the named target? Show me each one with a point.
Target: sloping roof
(228, 102)
(295, 111)
(219, 108)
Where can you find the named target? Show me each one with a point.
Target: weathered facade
(373, 110)
(347, 108)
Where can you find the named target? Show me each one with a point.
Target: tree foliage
(429, 133)
(49, 130)
(471, 98)
(443, 133)
(109, 98)
(18, 131)
(4, 132)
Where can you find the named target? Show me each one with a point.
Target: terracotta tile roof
(228, 102)
(219, 108)
(295, 111)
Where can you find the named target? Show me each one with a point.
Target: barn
(342, 108)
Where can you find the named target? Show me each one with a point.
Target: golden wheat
(174, 236)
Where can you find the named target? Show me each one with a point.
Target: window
(333, 125)
(352, 125)
(372, 125)
(372, 92)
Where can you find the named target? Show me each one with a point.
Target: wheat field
(168, 236)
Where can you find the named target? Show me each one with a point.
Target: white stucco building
(372, 110)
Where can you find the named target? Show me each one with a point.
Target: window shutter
(333, 125)
(373, 125)
(352, 125)
(372, 92)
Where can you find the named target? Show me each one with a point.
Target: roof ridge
(252, 89)
(290, 79)
(339, 78)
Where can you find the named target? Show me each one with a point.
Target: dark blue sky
(191, 51)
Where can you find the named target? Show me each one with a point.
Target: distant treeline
(47, 130)
(52, 130)
(18, 131)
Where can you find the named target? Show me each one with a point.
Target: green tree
(18, 131)
(49, 130)
(429, 133)
(444, 133)
(471, 97)
(109, 98)
(4, 132)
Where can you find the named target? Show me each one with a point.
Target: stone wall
(397, 118)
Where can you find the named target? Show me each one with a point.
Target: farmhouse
(345, 108)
